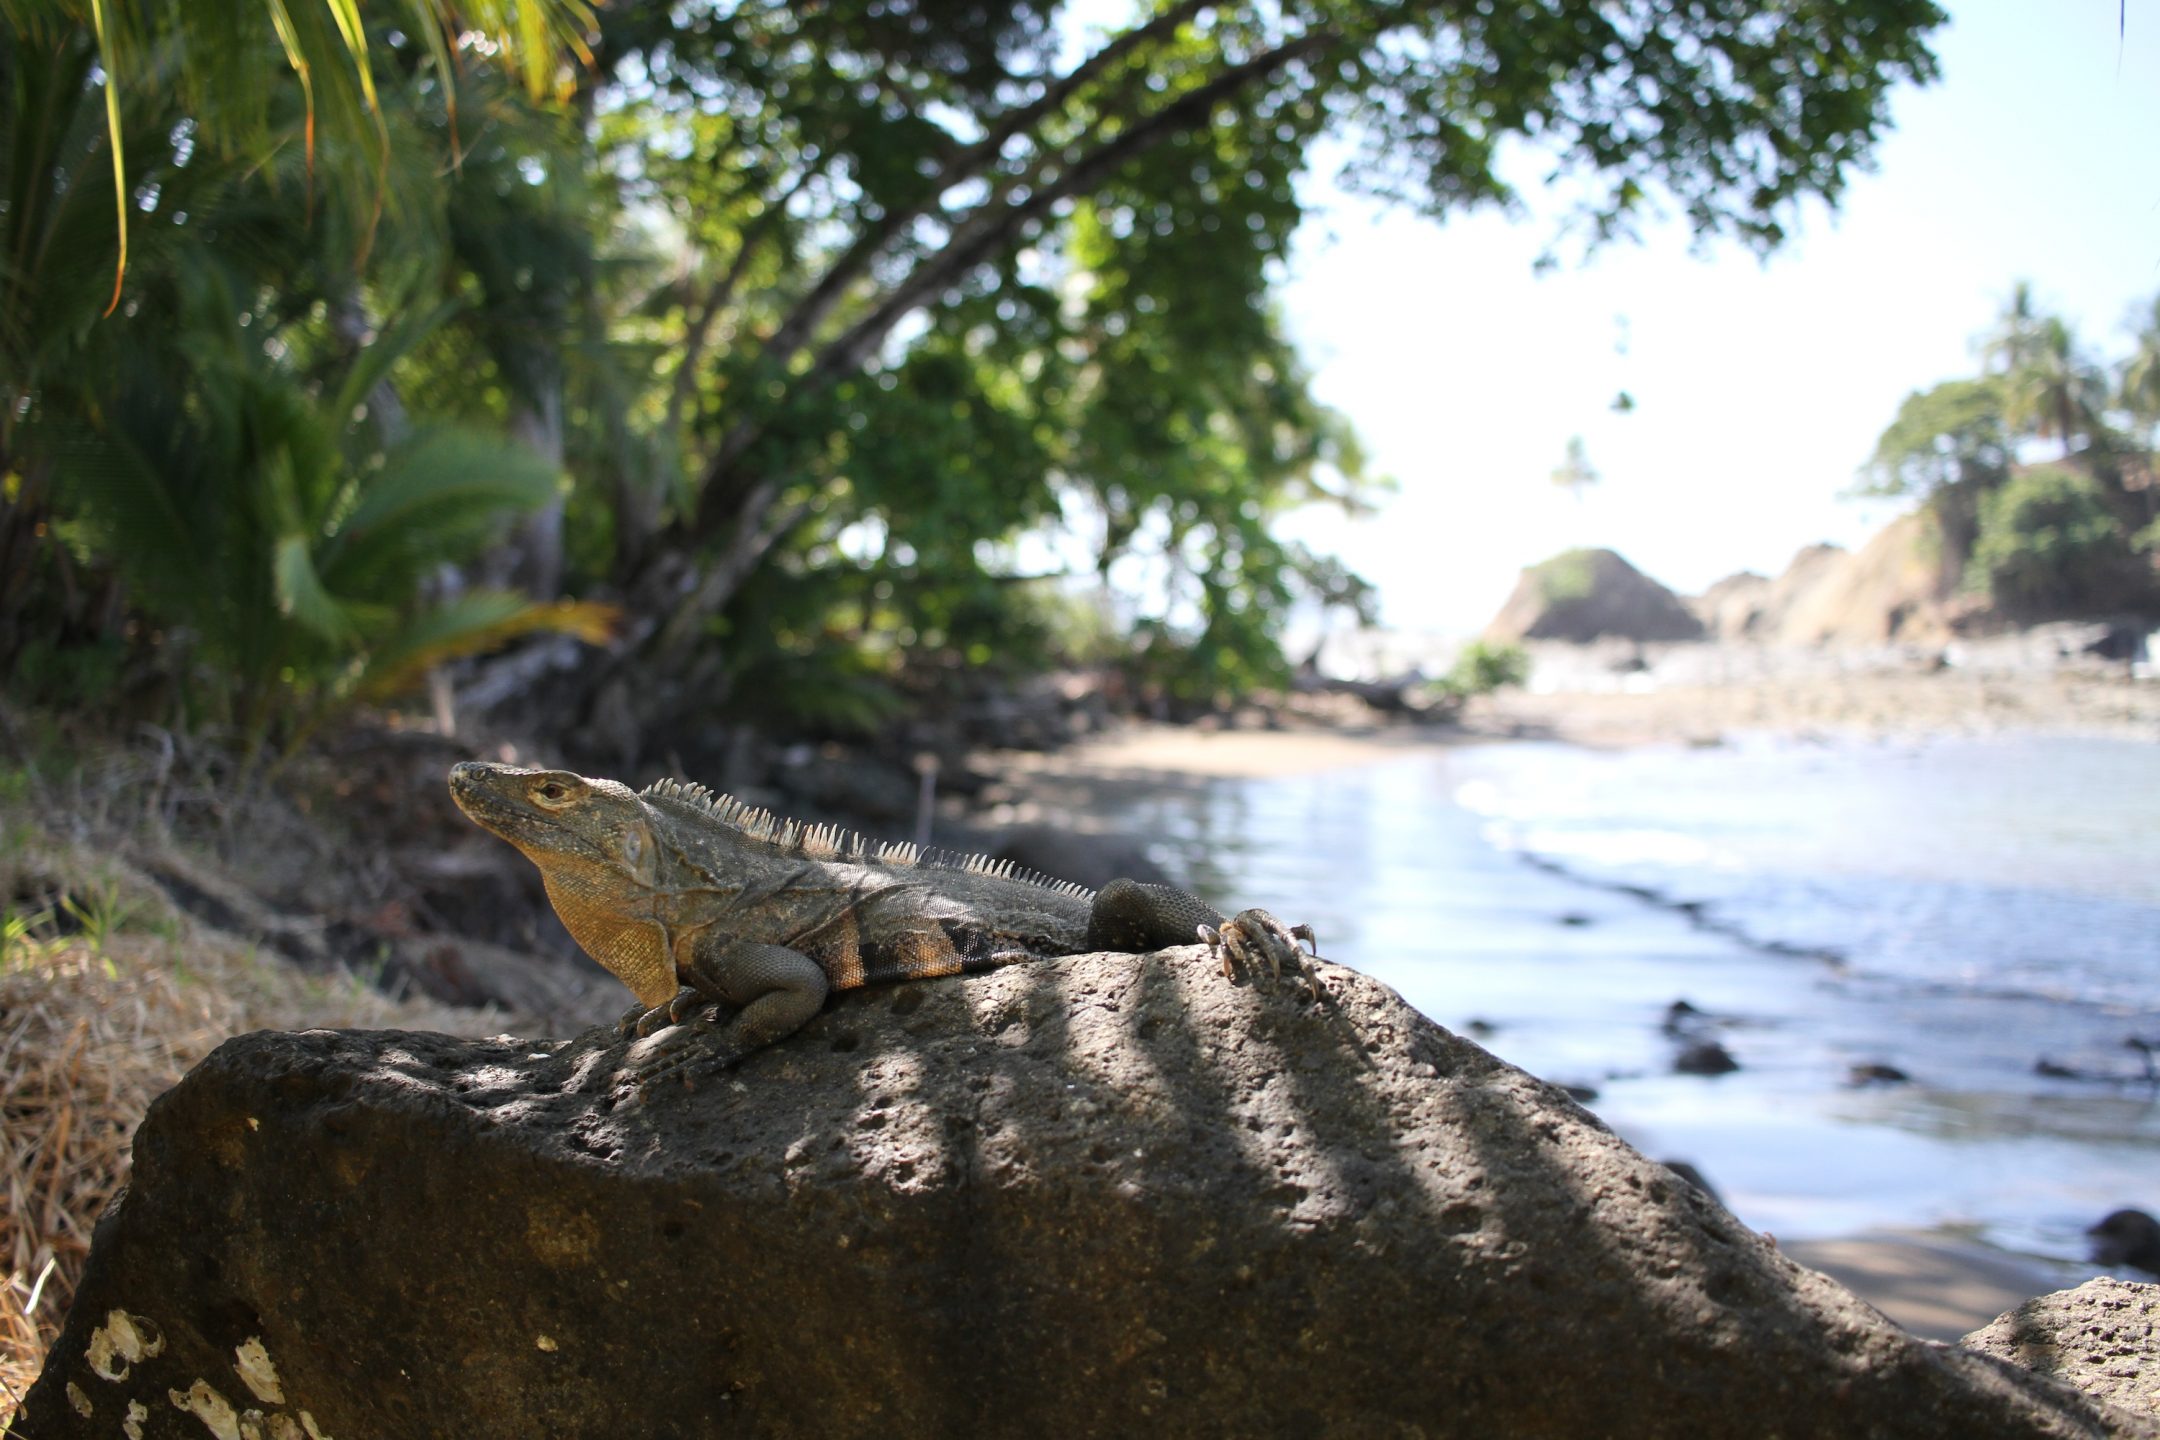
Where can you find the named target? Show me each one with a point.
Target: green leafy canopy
(830, 313)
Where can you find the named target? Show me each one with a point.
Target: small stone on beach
(1705, 1057)
(2127, 1237)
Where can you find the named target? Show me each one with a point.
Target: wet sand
(1932, 1284)
(1939, 1285)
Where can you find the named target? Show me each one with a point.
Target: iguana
(692, 898)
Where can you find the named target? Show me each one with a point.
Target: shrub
(1484, 667)
(1480, 669)
(2048, 544)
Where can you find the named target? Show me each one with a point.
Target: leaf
(431, 34)
(301, 595)
(119, 157)
(374, 362)
(295, 56)
(434, 497)
(354, 29)
(470, 624)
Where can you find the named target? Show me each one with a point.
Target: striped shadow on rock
(1098, 1195)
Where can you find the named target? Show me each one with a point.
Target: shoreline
(1811, 703)
(1939, 1284)
(1610, 696)
(1871, 704)
(1613, 694)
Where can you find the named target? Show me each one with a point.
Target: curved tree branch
(964, 164)
(988, 229)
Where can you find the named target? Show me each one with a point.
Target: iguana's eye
(554, 792)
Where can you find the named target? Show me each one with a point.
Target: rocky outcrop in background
(1585, 595)
(1896, 588)
(1104, 1195)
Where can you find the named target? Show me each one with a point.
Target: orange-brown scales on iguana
(692, 899)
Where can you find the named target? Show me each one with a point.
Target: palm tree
(219, 467)
(2138, 392)
(2016, 334)
(2050, 388)
(209, 58)
(1575, 474)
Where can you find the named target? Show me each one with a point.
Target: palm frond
(374, 363)
(302, 596)
(435, 496)
(220, 50)
(109, 47)
(469, 625)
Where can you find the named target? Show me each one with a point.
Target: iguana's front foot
(776, 989)
(1253, 936)
(641, 1020)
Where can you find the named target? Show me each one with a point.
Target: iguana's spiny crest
(834, 842)
(555, 814)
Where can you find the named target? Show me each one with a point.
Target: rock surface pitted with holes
(1103, 1195)
(2103, 1337)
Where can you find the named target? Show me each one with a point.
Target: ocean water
(1972, 912)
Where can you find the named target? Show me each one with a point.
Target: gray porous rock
(2103, 1337)
(1101, 1195)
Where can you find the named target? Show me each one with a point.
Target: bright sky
(1760, 388)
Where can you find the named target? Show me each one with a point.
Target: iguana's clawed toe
(655, 1056)
(641, 1021)
(1254, 936)
(679, 1053)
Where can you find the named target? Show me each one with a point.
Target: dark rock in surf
(1705, 1057)
(1085, 858)
(2127, 1237)
(1682, 1018)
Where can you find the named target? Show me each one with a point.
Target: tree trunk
(531, 556)
(24, 530)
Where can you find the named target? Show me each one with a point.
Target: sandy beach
(1872, 702)
(1939, 1284)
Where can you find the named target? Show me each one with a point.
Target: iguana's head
(593, 842)
(560, 820)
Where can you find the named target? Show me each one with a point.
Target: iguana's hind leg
(775, 991)
(1133, 918)
(1136, 917)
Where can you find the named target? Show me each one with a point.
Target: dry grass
(95, 1023)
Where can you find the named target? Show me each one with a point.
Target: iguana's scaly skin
(692, 898)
